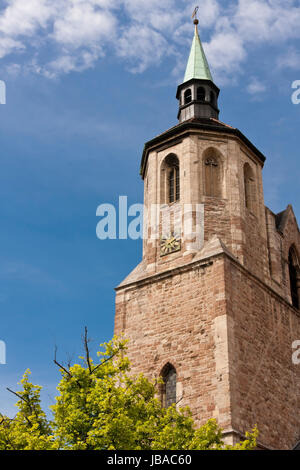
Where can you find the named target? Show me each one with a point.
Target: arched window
(168, 389)
(249, 185)
(213, 175)
(170, 180)
(200, 93)
(187, 96)
(294, 273)
(212, 97)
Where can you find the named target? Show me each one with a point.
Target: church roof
(281, 218)
(197, 66)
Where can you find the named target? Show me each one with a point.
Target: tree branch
(60, 365)
(63, 368)
(86, 347)
(27, 403)
(103, 362)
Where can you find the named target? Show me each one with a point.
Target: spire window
(187, 96)
(200, 93)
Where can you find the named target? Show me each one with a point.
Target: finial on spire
(194, 15)
(197, 66)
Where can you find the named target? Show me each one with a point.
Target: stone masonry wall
(244, 233)
(265, 385)
(180, 318)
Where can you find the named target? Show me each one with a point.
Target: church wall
(180, 318)
(265, 384)
(279, 244)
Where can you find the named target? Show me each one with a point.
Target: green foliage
(101, 406)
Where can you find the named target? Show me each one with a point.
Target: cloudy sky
(88, 82)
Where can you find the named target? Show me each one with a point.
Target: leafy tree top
(101, 406)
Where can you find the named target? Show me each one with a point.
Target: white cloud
(249, 24)
(74, 34)
(13, 69)
(8, 45)
(290, 60)
(256, 86)
(83, 25)
(225, 53)
(143, 43)
(69, 63)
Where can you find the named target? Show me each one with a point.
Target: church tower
(213, 307)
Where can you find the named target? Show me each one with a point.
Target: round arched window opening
(187, 96)
(171, 164)
(200, 93)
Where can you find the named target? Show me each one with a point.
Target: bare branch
(27, 403)
(60, 365)
(103, 362)
(179, 400)
(63, 368)
(86, 347)
(21, 398)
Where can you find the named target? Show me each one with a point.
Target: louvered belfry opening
(200, 93)
(187, 96)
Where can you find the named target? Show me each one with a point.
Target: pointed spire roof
(197, 66)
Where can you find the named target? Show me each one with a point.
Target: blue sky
(87, 85)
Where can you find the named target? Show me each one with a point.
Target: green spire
(197, 66)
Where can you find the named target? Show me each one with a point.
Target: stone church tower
(214, 308)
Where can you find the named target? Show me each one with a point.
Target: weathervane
(194, 15)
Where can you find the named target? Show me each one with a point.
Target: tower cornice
(187, 127)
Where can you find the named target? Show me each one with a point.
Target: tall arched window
(294, 273)
(249, 185)
(212, 97)
(168, 390)
(187, 96)
(170, 179)
(200, 93)
(213, 175)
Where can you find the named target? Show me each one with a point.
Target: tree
(102, 407)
